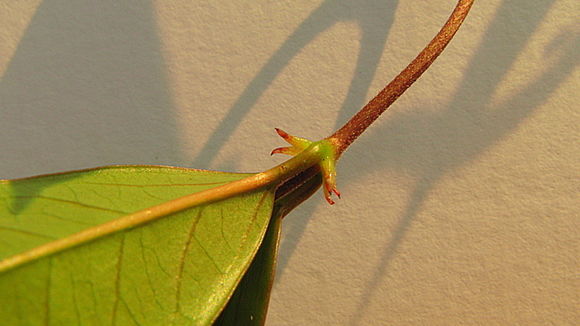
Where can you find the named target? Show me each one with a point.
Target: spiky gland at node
(327, 162)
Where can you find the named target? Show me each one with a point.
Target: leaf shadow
(86, 86)
(372, 45)
(22, 193)
(430, 145)
(325, 16)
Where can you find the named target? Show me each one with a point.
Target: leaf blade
(75, 292)
(87, 189)
(249, 303)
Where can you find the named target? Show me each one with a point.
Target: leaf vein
(207, 254)
(72, 202)
(145, 266)
(75, 301)
(6, 228)
(130, 312)
(118, 268)
(222, 231)
(252, 221)
(47, 300)
(58, 217)
(179, 276)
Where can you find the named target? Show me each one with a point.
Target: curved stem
(343, 137)
(280, 175)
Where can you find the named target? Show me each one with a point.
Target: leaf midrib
(272, 177)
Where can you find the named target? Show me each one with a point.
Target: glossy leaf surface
(180, 269)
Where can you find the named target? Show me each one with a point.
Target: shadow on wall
(374, 18)
(86, 86)
(429, 144)
(95, 69)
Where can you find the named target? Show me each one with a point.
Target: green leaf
(180, 269)
(77, 252)
(249, 304)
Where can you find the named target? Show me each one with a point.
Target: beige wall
(460, 206)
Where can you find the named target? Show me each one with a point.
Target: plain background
(460, 205)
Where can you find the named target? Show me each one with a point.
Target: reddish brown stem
(370, 112)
